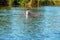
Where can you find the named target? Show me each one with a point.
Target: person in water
(28, 13)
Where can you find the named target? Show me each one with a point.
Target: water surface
(46, 26)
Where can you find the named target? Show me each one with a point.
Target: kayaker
(28, 13)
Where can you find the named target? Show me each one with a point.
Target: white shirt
(26, 14)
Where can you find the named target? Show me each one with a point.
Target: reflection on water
(13, 26)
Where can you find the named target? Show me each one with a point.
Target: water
(13, 26)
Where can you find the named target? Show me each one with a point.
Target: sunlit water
(14, 26)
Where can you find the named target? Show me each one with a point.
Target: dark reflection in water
(33, 27)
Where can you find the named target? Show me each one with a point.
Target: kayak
(33, 15)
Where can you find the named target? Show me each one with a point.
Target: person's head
(28, 10)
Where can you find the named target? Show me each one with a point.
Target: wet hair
(28, 9)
